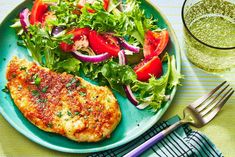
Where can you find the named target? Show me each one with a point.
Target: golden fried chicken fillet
(62, 103)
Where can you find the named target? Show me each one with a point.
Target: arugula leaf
(64, 12)
(91, 70)
(101, 20)
(42, 46)
(70, 65)
(110, 73)
(122, 75)
(175, 76)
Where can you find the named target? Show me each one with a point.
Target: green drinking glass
(209, 32)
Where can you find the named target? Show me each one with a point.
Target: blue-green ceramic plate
(134, 122)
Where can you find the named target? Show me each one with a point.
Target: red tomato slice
(103, 43)
(66, 47)
(38, 11)
(106, 4)
(82, 3)
(77, 35)
(78, 32)
(155, 43)
(149, 67)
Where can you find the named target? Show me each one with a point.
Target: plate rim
(41, 142)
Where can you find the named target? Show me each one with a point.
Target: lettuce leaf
(118, 75)
(175, 76)
(131, 23)
(153, 92)
(70, 65)
(111, 74)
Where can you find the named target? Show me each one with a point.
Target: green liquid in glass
(214, 30)
(213, 23)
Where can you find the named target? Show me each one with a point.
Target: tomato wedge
(82, 3)
(38, 11)
(77, 35)
(103, 43)
(106, 4)
(66, 47)
(149, 67)
(155, 43)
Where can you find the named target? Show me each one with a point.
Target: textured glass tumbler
(209, 33)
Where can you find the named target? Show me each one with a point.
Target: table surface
(221, 130)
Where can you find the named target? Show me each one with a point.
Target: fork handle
(149, 143)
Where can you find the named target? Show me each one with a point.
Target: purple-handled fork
(198, 114)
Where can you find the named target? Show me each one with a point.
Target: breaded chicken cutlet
(62, 103)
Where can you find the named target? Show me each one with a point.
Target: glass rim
(200, 41)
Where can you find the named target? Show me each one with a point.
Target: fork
(197, 114)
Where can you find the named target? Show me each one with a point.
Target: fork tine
(208, 109)
(200, 108)
(207, 118)
(205, 97)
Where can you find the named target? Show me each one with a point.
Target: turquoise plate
(134, 122)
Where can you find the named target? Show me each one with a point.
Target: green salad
(109, 41)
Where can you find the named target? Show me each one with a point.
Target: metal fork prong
(210, 107)
(207, 103)
(191, 116)
(214, 112)
(206, 96)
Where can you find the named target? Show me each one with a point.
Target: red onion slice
(24, 18)
(132, 98)
(122, 57)
(92, 59)
(57, 30)
(127, 88)
(142, 106)
(128, 46)
(130, 95)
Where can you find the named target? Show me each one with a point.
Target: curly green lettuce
(129, 23)
(154, 91)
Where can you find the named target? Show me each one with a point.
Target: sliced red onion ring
(142, 106)
(127, 88)
(57, 30)
(24, 18)
(130, 95)
(128, 46)
(92, 59)
(122, 57)
(132, 98)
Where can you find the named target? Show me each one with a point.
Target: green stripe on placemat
(183, 142)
